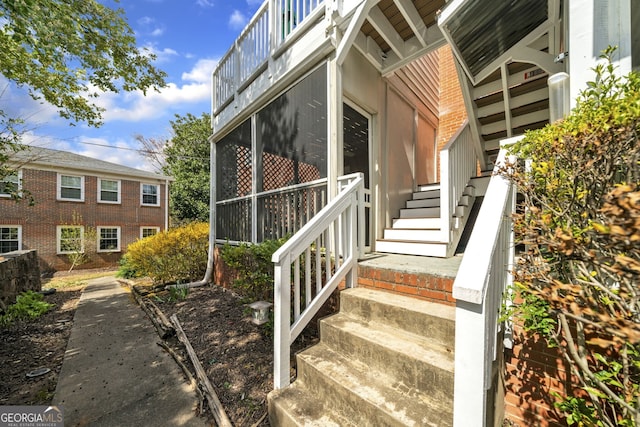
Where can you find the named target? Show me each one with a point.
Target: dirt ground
(236, 354)
(28, 346)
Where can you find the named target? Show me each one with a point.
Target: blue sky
(188, 37)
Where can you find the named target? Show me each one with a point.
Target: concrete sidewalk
(114, 373)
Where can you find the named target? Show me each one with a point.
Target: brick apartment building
(80, 204)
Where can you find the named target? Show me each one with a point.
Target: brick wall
(532, 372)
(452, 109)
(424, 286)
(39, 221)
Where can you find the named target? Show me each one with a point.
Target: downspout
(166, 204)
(208, 275)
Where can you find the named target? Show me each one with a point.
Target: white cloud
(201, 72)
(148, 26)
(162, 55)
(17, 103)
(237, 20)
(118, 151)
(204, 3)
(135, 106)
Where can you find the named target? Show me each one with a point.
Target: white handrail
(457, 166)
(334, 230)
(483, 276)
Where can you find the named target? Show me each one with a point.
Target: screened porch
(271, 170)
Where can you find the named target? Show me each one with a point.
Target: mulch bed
(236, 354)
(27, 346)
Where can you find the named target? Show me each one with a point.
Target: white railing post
(336, 224)
(282, 314)
(482, 278)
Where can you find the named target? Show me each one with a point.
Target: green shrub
(577, 281)
(29, 306)
(253, 266)
(179, 254)
(126, 270)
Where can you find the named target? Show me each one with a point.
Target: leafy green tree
(187, 161)
(67, 52)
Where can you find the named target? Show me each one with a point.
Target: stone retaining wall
(19, 272)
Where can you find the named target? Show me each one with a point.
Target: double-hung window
(108, 239)
(10, 184)
(148, 231)
(10, 238)
(71, 187)
(70, 239)
(150, 194)
(108, 191)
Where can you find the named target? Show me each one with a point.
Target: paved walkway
(114, 373)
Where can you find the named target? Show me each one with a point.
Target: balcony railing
(483, 277)
(271, 214)
(273, 25)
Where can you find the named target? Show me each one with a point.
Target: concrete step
(368, 397)
(410, 359)
(427, 194)
(430, 320)
(423, 203)
(423, 235)
(297, 406)
(433, 212)
(407, 247)
(417, 223)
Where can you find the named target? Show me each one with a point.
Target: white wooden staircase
(419, 229)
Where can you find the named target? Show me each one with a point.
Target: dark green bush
(253, 266)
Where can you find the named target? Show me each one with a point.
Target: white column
(594, 25)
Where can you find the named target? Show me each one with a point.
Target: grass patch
(78, 280)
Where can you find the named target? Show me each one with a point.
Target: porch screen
(291, 148)
(292, 135)
(233, 181)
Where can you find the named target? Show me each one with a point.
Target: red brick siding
(452, 109)
(422, 286)
(39, 221)
(532, 372)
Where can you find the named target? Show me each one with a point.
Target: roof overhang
(484, 34)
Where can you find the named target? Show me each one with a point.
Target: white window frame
(19, 228)
(59, 188)
(113, 202)
(142, 184)
(99, 238)
(157, 229)
(19, 182)
(59, 235)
